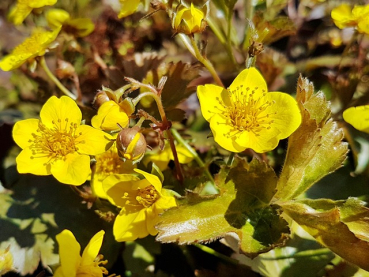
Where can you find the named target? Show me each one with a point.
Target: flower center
(108, 163)
(55, 143)
(96, 269)
(247, 110)
(147, 196)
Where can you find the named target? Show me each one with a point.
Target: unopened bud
(100, 98)
(190, 20)
(131, 144)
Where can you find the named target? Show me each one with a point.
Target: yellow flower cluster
(344, 16)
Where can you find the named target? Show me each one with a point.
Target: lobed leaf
(341, 226)
(315, 149)
(242, 207)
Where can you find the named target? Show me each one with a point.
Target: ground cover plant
(173, 138)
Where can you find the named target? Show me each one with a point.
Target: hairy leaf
(242, 207)
(342, 226)
(315, 149)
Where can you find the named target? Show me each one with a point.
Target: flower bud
(189, 20)
(131, 144)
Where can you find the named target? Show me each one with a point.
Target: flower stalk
(55, 80)
(179, 138)
(194, 50)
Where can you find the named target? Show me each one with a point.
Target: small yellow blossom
(71, 262)
(109, 163)
(57, 144)
(35, 45)
(6, 261)
(189, 20)
(344, 16)
(109, 115)
(246, 115)
(141, 201)
(24, 7)
(80, 27)
(358, 117)
(128, 7)
(162, 158)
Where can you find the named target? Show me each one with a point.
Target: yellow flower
(344, 16)
(162, 158)
(109, 163)
(24, 7)
(109, 115)
(35, 45)
(189, 20)
(80, 27)
(358, 117)
(57, 144)
(128, 7)
(71, 262)
(141, 201)
(246, 115)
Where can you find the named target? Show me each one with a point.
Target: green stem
(178, 137)
(194, 49)
(230, 159)
(249, 13)
(222, 39)
(55, 80)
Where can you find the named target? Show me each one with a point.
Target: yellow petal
(128, 7)
(92, 141)
(152, 219)
(19, 13)
(56, 17)
(358, 117)
(84, 26)
(184, 156)
(152, 179)
(73, 170)
(130, 226)
(250, 78)
(92, 249)
(108, 116)
(265, 142)
(223, 134)
(23, 130)
(69, 251)
(31, 47)
(212, 99)
(36, 166)
(115, 186)
(41, 3)
(288, 116)
(363, 26)
(59, 111)
(342, 16)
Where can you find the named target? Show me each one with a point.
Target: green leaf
(242, 207)
(342, 226)
(315, 149)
